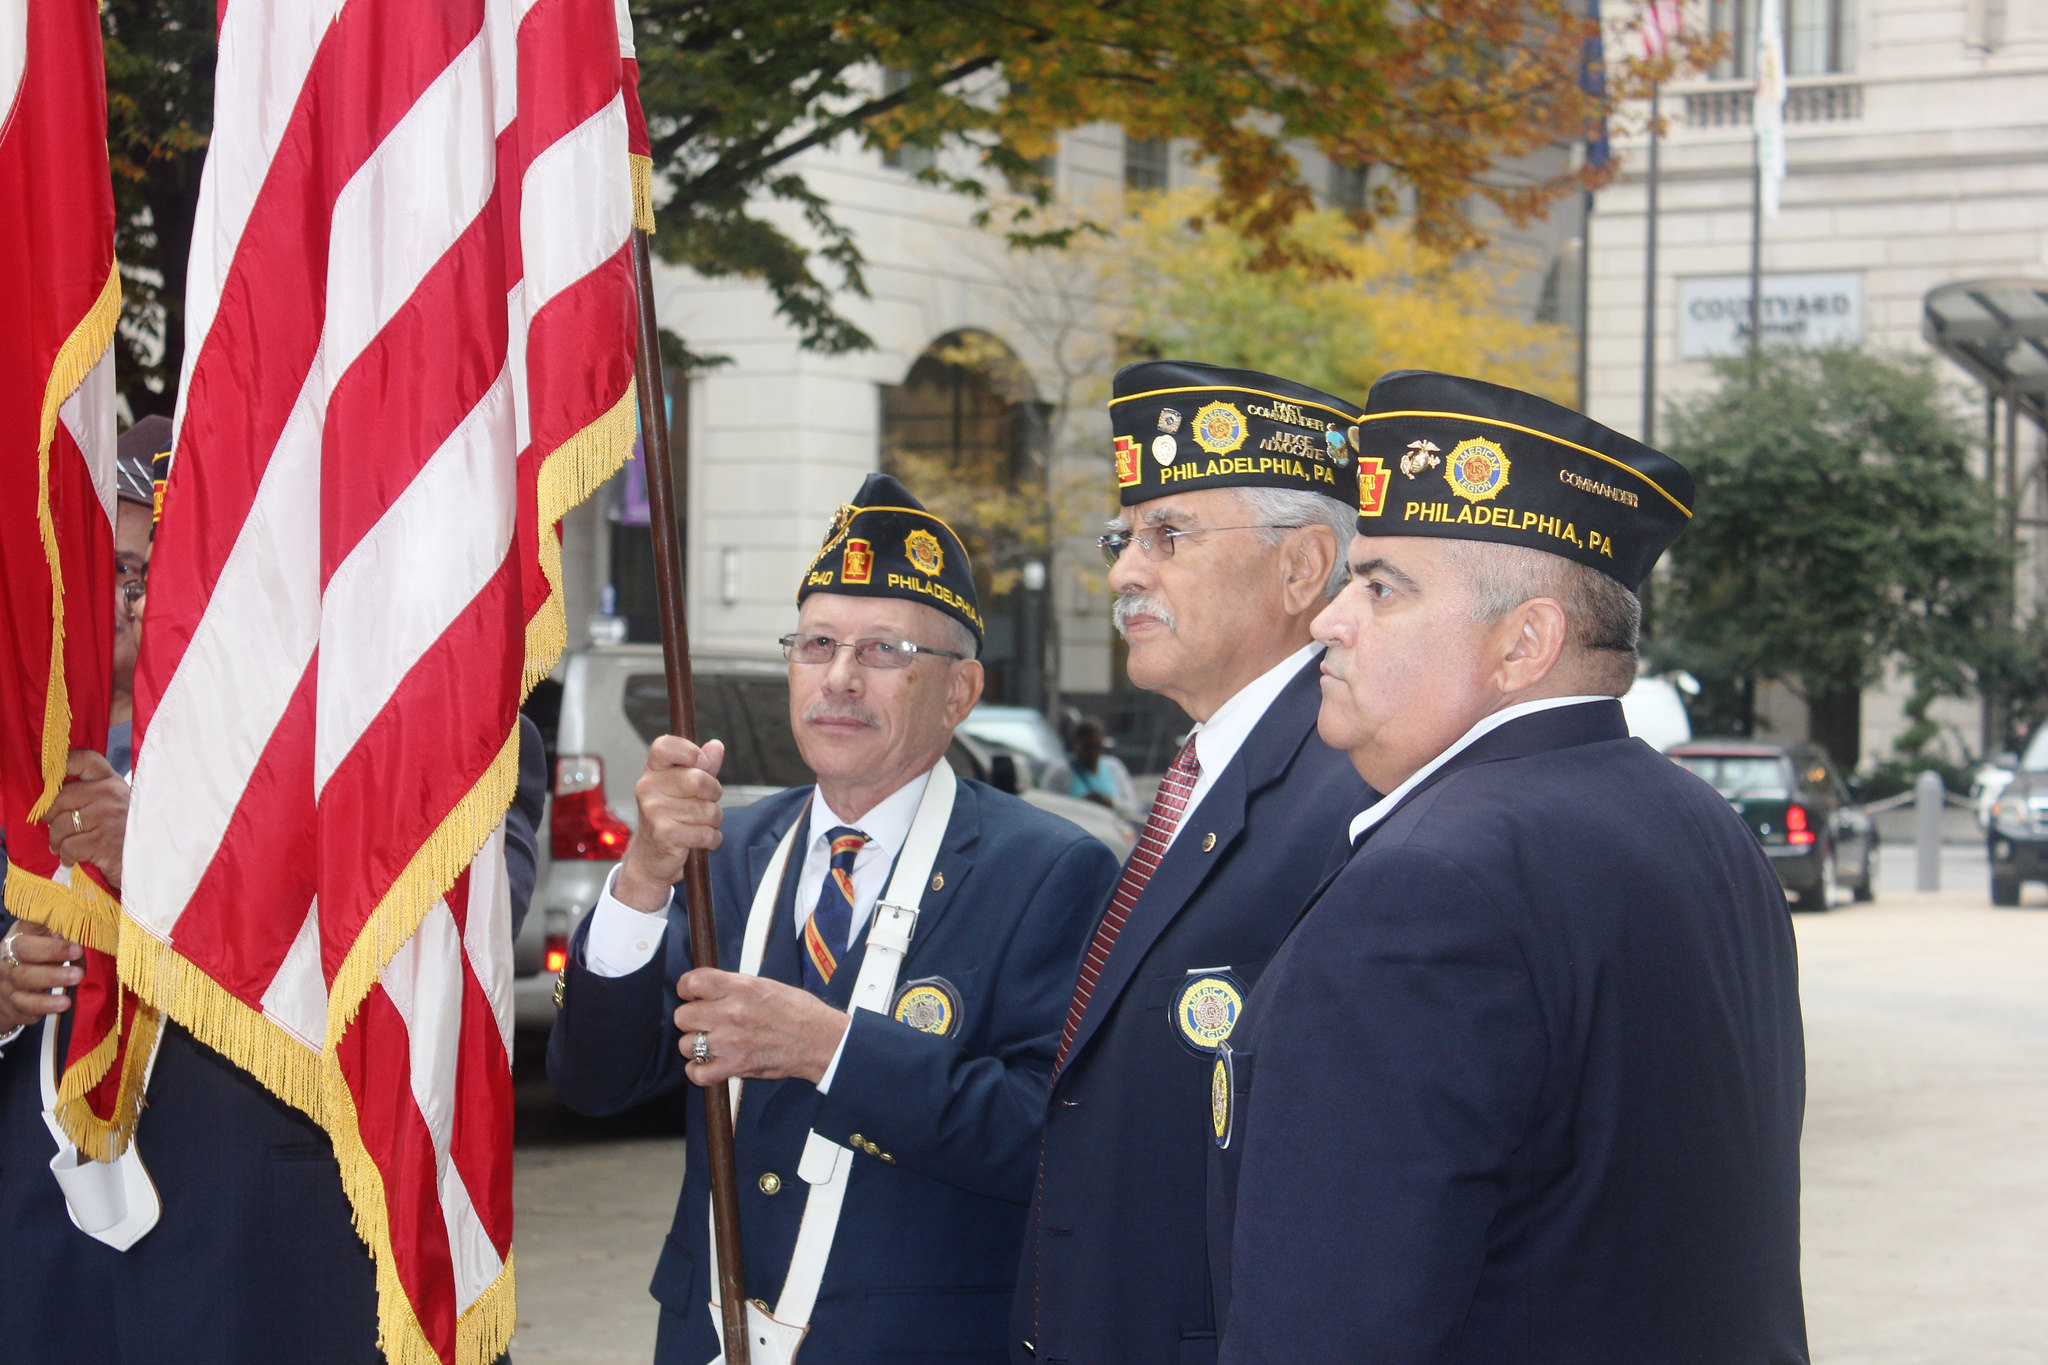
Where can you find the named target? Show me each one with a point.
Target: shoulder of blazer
(1286, 734)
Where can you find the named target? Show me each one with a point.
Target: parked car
(1799, 808)
(613, 702)
(2019, 826)
(1988, 782)
(1020, 730)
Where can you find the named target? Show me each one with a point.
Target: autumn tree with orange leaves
(1432, 94)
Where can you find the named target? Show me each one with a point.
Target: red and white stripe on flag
(1662, 20)
(60, 298)
(408, 352)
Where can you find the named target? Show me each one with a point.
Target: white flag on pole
(1769, 115)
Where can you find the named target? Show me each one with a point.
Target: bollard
(1927, 799)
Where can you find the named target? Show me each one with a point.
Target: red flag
(408, 352)
(60, 296)
(1662, 21)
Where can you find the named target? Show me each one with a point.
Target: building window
(1145, 163)
(1819, 37)
(1347, 187)
(905, 156)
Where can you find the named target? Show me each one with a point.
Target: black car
(2019, 826)
(1795, 802)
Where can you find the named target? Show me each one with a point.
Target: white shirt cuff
(622, 940)
(15, 1032)
(825, 1081)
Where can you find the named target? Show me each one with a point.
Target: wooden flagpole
(682, 720)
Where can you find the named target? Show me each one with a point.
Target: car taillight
(1795, 825)
(582, 825)
(557, 953)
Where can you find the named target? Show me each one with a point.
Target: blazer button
(857, 1141)
(771, 1183)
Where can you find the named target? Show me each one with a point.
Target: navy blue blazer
(1526, 1082)
(1115, 1271)
(255, 1257)
(926, 1252)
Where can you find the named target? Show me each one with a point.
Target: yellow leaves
(1342, 310)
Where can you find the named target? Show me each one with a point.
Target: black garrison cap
(134, 454)
(1181, 426)
(885, 544)
(1464, 460)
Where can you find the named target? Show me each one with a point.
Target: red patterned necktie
(831, 923)
(1167, 807)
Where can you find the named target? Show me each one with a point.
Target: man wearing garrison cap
(1239, 491)
(904, 943)
(1526, 1081)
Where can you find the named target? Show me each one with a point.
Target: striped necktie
(1167, 808)
(831, 924)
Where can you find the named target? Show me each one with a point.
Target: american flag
(408, 352)
(60, 298)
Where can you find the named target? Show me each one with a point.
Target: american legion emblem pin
(1222, 1080)
(931, 1005)
(921, 548)
(1206, 1009)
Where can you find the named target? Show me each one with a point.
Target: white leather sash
(112, 1202)
(826, 1165)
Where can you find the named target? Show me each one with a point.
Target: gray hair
(1278, 508)
(954, 635)
(1604, 619)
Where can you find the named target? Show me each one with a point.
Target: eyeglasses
(822, 649)
(132, 592)
(1156, 542)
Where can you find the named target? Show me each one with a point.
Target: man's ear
(964, 690)
(1309, 560)
(1530, 640)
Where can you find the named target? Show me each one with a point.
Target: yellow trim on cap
(1235, 388)
(1531, 431)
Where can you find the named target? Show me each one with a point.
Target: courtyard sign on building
(1799, 310)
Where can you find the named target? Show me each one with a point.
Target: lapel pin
(1208, 843)
(938, 881)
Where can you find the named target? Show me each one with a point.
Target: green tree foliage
(160, 56)
(1837, 527)
(1435, 95)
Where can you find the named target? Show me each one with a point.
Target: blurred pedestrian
(1091, 773)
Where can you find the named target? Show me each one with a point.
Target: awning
(1998, 331)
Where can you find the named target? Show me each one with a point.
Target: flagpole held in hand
(682, 720)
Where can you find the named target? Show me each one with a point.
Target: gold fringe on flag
(215, 1016)
(104, 1139)
(570, 473)
(643, 191)
(75, 358)
(81, 911)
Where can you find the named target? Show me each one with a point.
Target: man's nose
(1132, 572)
(844, 673)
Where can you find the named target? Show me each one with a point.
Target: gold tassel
(433, 869)
(571, 472)
(104, 1139)
(216, 1017)
(75, 358)
(81, 912)
(643, 192)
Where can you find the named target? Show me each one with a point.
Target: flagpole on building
(670, 597)
(1650, 277)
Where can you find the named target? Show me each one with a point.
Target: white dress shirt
(622, 940)
(1218, 738)
(1382, 808)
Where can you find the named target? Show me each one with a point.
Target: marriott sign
(1799, 310)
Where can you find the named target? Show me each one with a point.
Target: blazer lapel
(1264, 756)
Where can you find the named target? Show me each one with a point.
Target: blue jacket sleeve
(972, 1119)
(1397, 1069)
(522, 821)
(614, 1040)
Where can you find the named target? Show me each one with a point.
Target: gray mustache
(1137, 604)
(827, 709)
